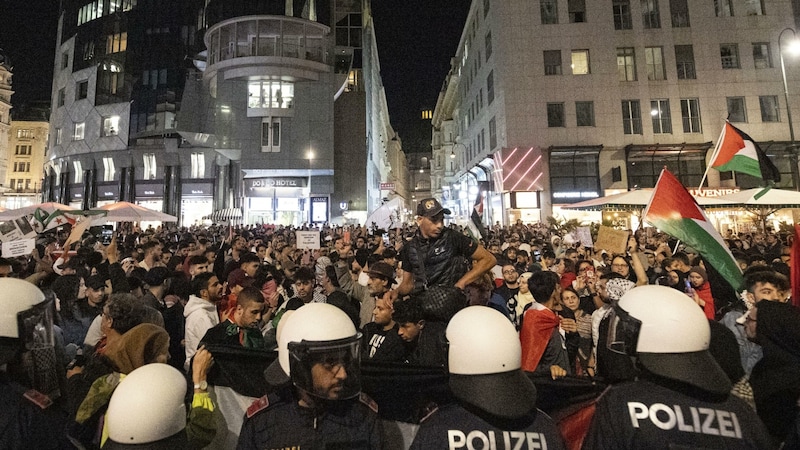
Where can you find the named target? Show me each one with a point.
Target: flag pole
(713, 155)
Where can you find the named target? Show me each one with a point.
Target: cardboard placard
(20, 247)
(307, 239)
(611, 240)
(584, 236)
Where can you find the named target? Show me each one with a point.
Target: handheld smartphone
(688, 288)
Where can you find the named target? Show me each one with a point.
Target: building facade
(5, 113)
(193, 106)
(27, 145)
(551, 102)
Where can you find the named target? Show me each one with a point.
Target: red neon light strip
(518, 163)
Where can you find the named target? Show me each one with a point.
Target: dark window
(574, 172)
(690, 114)
(577, 11)
(492, 134)
(490, 88)
(552, 62)
(650, 15)
(631, 117)
(679, 10)
(549, 11)
(488, 45)
(684, 61)
(555, 115)
(736, 109)
(81, 90)
(729, 55)
(644, 166)
(622, 14)
(723, 8)
(662, 121)
(584, 113)
(761, 55)
(769, 108)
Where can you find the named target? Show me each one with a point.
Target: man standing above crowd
(432, 256)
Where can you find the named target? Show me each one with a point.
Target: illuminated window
(108, 168)
(116, 43)
(78, 130)
(198, 165)
(270, 94)
(654, 59)
(580, 62)
(626, 64)
(427, 114)
(149, 166)
(24, 133)
(77, 172)
(111, 126)
(58, 136)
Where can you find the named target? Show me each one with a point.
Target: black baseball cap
(430, 207)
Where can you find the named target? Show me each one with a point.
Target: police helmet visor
(623, 332)
(330, 370)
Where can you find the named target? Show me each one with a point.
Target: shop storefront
(107, 193)
(75, 195)
(197, 201)
(150, 196)
(278, 200)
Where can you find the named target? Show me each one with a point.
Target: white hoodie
(201, 315)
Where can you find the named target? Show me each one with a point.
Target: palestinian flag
(475, 224)
(738, 152)
(674, 211)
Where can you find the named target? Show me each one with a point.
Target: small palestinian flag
(738, 152)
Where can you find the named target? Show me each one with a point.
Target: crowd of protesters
(185, 295)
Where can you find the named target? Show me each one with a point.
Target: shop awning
(225, 215)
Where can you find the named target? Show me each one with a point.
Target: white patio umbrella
(629, 201)
(129, 212)
(760, 202)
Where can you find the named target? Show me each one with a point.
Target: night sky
(416, 39)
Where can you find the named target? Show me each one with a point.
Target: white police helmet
(26, 326)
(147, 406)
(484, 360)
(669, 334)
(318, 333)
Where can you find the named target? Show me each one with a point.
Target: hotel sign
(275, 182)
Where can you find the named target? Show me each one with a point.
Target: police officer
(496, 401)
(680, 398)
(29, 379)
(318, 350)
(433, 256)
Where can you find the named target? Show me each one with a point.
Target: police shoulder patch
(258, 406)
(368, 401)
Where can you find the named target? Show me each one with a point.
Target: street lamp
(310, 157)
(794, 49)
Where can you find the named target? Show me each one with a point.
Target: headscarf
(617, 287)
(140, 345)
